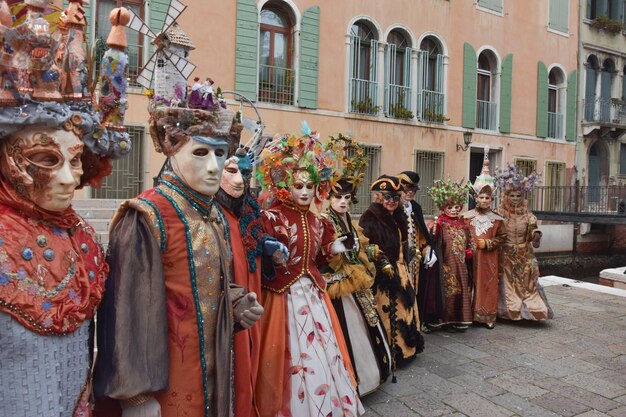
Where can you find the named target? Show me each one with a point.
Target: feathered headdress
(511, 179)
(284, 155)
(352, 165)
(449, 193)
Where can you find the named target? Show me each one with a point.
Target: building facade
(407, 78)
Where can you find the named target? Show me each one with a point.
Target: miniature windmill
(171, 47)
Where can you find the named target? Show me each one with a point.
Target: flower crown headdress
(352, 165)
(287, 154)
(449, 193)
(511, 179)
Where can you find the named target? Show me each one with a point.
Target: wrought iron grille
(486, 114)
(363, 195)
(276, 84)
(526, 167)
(596, 200)
(429, 165)
(555, 125)
(125, 180)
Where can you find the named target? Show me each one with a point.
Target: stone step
(95, 203)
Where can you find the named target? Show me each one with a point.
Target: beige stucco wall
(521, 31)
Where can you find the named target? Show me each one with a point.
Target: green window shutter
(246, 49)
(602, 8)
(506, 91)
(542, 100)
(309, 57)
(570, 116)
(158, 12)
(559, 13)
(495, 5)
(470, 67)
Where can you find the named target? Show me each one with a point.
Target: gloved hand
(248, 311)
(536, 242)
(430, 258)
(276, 250)
(468, 254)
(338, 246)
(150, 408)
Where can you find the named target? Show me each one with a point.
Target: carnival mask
(199, 163)
(341, 202)
(452, 211)
(408, 193)
(44, 166)
(515, 197)
(232, 180)
(303, 189)
(484, 200)
(391, 201)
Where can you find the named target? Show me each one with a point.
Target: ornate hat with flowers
(46, 80)
(286, 155)
(449, 193)
(353, 164)
(511, 179)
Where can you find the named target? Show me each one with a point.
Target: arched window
(430, 96)
(363, 68)
(556, 103)
(592, 68)
(398, 75)
(607, 78)
(486, 105)
(276, 74)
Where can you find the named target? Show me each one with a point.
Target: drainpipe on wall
(579, 107)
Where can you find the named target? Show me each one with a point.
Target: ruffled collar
(65, 219)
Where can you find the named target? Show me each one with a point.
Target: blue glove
(271, 246)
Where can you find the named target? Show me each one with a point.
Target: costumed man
(52, 269)
(521, 295)
(305, 368)
(248, 243)
(454, 246)
(396, 295)
(420, 247)
(488, 233)
(350, 275)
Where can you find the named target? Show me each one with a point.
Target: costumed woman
(52, 269)
(350, 276)
(488, 234)
(454, 246)
(248, 243)
(420, 246)
(304, 365)
(521, 295)
(395, 293)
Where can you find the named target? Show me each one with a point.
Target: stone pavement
(573, 365)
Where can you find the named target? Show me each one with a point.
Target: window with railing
(125, 180)
(603, 108)
(556, 103)
(554, 180)
(363, 69)
(398, 52)
(486, 105)
(363, 195)
(276, 73)
(527, 166)
(430, 96)
(135, 39)
(592, 68)
(429, 165)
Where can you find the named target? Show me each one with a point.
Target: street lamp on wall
(467, 140)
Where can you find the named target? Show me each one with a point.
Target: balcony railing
(363, 96)
(398, 103)
(605, 110)
(555, 125)
(276, 84)
(486, 114)
(430, 106)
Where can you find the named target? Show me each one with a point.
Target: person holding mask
(384, 225)
(521, 295)
(305, 367)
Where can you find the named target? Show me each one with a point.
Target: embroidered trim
(157, 213)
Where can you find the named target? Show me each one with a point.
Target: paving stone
(442, 369)
(426, 405)
(393, 408)
(517, 386)
(446, 356)
(577, 364)
(581, 395)
(597, 385)
(621, 399)
(378, 396)
(479, 369)
(474, 405)
(521, 406)
(593, 413)
(526, 374)
(615, 376)
(477, 385)
(542, 365)
(618, 412)
(466, 351)
(559, 404)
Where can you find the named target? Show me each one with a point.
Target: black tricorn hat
(409, 178)
(386, 183)
(343, 186)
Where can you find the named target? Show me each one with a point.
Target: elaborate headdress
(484, 182)
(511, 179)
(448, 193)
(285, 155)
(352, 165)
(45, 80)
